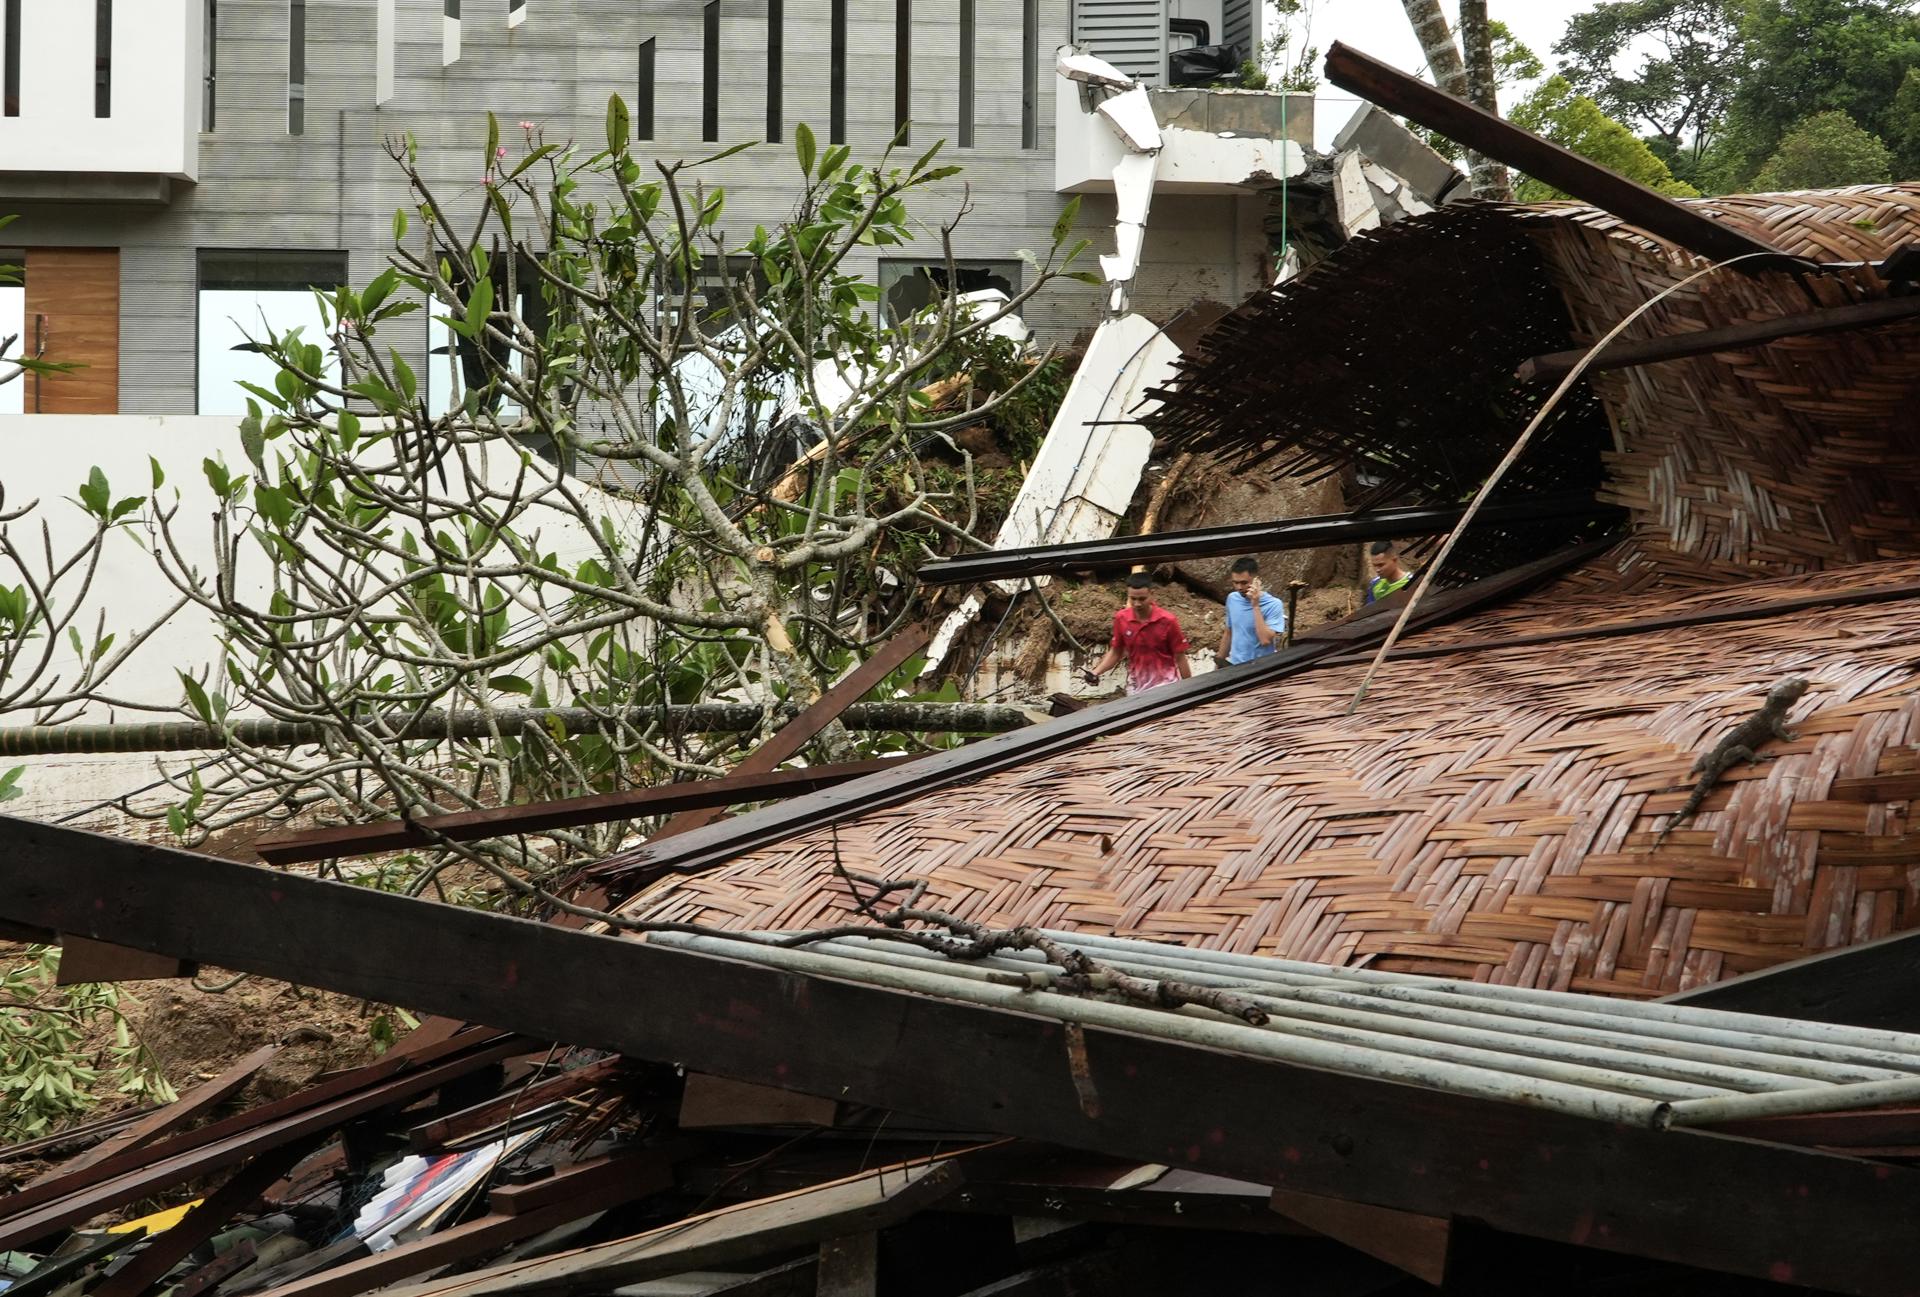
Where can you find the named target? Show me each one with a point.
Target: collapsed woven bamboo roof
(1488, 813)
(1397, 356)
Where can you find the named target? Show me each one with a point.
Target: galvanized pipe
(1834, 1098)
(1717, 1070)
(1433, 1073)
(1686, 1016)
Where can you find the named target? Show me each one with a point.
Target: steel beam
(1254, 538)
(1477, 129)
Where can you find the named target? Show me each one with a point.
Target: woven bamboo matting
(1397, 354)
(1485, 814)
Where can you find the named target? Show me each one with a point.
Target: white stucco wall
(156, 73)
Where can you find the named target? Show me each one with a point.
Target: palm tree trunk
(1450, 74)
(1490, 178)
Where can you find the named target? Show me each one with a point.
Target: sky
(1380, 28)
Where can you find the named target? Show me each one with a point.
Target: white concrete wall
(155, 126)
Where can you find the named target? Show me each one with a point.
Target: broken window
(249, 295)
(910, 286)
(713, 294)
(455, 364)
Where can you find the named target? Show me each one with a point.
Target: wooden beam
(727, 1237)
(520, 1099)
(173, 1245)
(590, 1187)
(1416, 1244)
(714, 1101)
(1251, 538)
(1475, 128)
(1626, 353)
(1522, 1170)
(534, 817)
(1873, 984)
(786, 742)
(188, 1108)
(99, 961)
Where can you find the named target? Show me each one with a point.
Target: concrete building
(180, 167)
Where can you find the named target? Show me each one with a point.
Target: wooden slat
(1409, 1242)
(76, 292)
(82, 961)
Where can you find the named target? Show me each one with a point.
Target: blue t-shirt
(1246, 645)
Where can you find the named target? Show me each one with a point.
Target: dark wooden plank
(1542, 1174)
(1876, 788)
(34, 1211)
(644, 1171)
(212, 1215)
(1249, 538)
(714, 1101)
(1416, 1244)
(523, 1099)
(189, 1107)
(717, 843)
(1873, 984)
(730, 1236)
(786, 742)
(1479, 130)
(593, 1187)
(100, 961)
(534, 817)
(1626, 353)
(849, 1266)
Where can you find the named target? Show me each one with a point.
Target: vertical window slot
(296, 67)
(965, 131)
(776, 68)
(516, 13)
(103, 58)
(710, 73)
(903, 70)
(643, 93)
(210, 52)
(836, 73)
(13, 58)
(450, 33)
(1030, 74)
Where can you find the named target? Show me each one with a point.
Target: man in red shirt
(1148, 637)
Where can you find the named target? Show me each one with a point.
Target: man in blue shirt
(1256, 621)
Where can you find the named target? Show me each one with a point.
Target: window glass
(13, 324)
(910, 286)
(254, 295)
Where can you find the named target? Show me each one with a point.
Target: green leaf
(254, 441)
(479, 306)
(10, 784)
(159, 474)
(835, 159)
(726, 153)
(804, 147)
(126, 507)
(531, 158)
(408, 384)
(377, 292)
(399, 224)
(493, 140)
(927, 157)
(274, 504)
(619, 125)
(94, 493)
(1063, 224)
(512, 685)
(197, 696)
(217, 477)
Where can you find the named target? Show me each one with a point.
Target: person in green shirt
(1389, 573)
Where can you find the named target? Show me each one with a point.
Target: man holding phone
(1256, 620)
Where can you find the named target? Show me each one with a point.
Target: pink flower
(500, 152)
(486, 180)
(526, 126)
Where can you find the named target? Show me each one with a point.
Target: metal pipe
(1833, 1098)
(1600, 1046)
(1433, 1073)
(1823, 1033)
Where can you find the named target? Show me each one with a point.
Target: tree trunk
(1449, 72)
(1490, 179)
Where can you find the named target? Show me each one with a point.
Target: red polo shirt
(1151, 646)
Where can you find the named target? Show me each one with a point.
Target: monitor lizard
(1741, 743)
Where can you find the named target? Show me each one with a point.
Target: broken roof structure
(1384, 964)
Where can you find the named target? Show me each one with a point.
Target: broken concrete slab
(1380, 137)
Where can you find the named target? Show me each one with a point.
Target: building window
(910, 286)
(247, 296)
(516, 13)
(776, 74)
(643, 98)
(903, 70)
(450, 33)
(965, 131)
(713, 294)
(13, 324)
(455, 364)
(837, 74)
(296, 67)
(710, 73)
(103, 58)
(210, 50)
(12, 73)
(1030, 74)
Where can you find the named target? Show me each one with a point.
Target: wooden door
(73, 313)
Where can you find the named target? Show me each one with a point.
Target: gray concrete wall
(333, 187)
